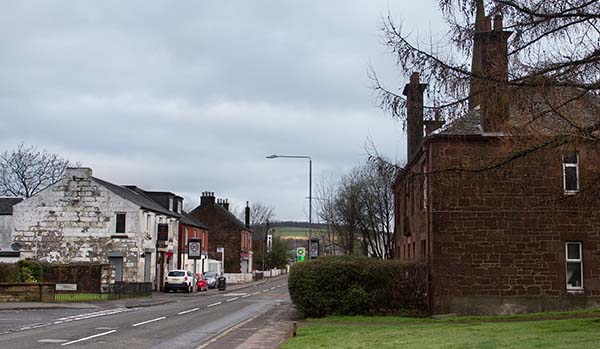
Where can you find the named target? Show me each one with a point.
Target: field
(578, 330)
(293, 232)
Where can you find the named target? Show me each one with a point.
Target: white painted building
(85, 219)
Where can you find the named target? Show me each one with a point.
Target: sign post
(221, 250)
(194, 253)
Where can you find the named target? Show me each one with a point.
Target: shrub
(31, 271)
(358, 285)
(9, 272)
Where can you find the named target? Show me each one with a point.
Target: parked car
(179, 280)
(211, 278)
(201, 283)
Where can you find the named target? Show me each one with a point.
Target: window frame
(577, 260)
(571, 165)
(124, 215)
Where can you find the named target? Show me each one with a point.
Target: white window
(574, 266)
(148, 222)
(170, 204)
(571, 172)
(179, 206)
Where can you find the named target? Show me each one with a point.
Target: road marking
(245, 296)
(149, 321)
(52, 340)
(255, 293)
(265, 290)
(231, 299)
(94, 314)
(233, 294)
(272, 288)
(90, 337)
(279, 286)
(212, 305)
(187, 311)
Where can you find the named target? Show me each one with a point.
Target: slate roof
(135, 196)
(6, 205)
(189, 220)
(222, 212)
(468, 124)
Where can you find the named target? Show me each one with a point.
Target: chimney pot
(414, 114)
(487, 24)
(498, 23)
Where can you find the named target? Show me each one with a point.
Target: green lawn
(80, 297)
(301, 233)
(569, 333)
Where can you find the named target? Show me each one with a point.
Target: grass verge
(532, 331)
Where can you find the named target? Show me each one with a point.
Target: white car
(179, 280)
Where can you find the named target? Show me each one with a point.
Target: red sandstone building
(522, 235)
(226, 231)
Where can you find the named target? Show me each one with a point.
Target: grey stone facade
(74, 221)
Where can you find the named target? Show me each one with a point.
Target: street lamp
(309, 190)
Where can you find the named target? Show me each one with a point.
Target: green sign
(300, 252)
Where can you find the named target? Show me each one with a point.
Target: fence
(118, 290)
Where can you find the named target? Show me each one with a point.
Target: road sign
(194, 248)
(300, 253)
(220, 249)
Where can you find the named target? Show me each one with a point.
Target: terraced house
(501, 203)
(82, 218)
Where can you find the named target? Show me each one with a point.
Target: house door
(118, 263)
(244, 266)
(160, 271)
(147, 266)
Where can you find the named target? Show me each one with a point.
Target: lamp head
(272, 156)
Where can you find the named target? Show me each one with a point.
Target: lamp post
(309, 191)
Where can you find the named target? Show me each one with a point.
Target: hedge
(23, 271)
(358, 286)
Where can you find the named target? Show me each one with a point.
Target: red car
(201, 283)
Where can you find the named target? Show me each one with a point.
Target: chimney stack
(433, 125)
(489, 83)
(414, 114)
(207, 198)
(247, 215)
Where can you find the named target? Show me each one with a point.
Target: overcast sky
(190, 96)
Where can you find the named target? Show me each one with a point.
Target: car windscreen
(177, 273)
(210, 275)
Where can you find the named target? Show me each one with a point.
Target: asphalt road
(191, 322)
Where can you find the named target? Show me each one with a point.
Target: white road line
(212, 305)
(265, 290)
(248, 295)
(52, 341)
(272, 288)
(187, 311)
(279, 286)
(231, 299)
(255, 293)
(90, 337)
(149, 321)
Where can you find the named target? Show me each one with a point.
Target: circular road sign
(194, 249)
(300, 251)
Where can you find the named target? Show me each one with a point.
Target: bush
(358, 285)
(9, 272)
(31, 271)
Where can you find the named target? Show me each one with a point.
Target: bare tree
(27, 170)
(359, 210)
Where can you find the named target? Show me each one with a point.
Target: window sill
(571, 192)
(575, 291)
(119, 236)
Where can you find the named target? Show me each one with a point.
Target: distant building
(7, 252)
(226, 231)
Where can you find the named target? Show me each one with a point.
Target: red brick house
(226, 231)
(190, 228)
(499, 236)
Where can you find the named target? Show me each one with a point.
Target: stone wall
(496, 239)
(26, 292)
(5, 232)
(73, 221)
